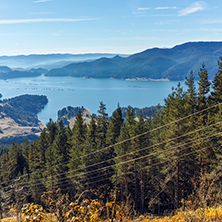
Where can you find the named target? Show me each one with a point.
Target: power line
(152, 165)
(133, 152)
(142, 134)
(120, 143)
(124, 162)
(119, 157)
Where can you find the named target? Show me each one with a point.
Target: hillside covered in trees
(157, 63)
(7, 73)
(18, 118)
(154, 166)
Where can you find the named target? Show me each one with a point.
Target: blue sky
(114, 26)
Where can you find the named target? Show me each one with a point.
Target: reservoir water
(71, 91)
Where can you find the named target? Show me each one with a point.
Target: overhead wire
(124, 162)
(133, 152)
(130, 152)
(152, 165)
(134, 137)
(120, 142)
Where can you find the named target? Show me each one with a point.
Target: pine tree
(56, 159)
(90, 161)
(205, 153)
(130, 121)
(216, 94)
(216, 112)
(114, 127)
(106, 171)
(142, 142)
(181, 166)
(91, 133)
(43, 143)
(202, 99)
(190, 95)
(155, 176)
(102, 123)
(76, 150)
(36, 168)
(122, 170)
(125, 171)
(51, 128)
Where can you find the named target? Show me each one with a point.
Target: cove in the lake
(71, 91)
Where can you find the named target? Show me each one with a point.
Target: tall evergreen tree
(114, 127)
(90, 161)
(43, 143)
(205, 153)
(104, 155)
(125, 171)
(142, 142)
(76, 149)
(216, 94)
(155, 176)
(51, 128)
(36, 168)
(190, 95)
(91, 133)
(122, 170)
(56, 160)
(102, 123)
(202, 99)
(181, 167)
(216, 112)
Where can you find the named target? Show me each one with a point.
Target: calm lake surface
(71, 91)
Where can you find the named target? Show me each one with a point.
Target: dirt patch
(8, 127)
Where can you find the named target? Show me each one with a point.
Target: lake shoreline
(74, 91)
(147, 79)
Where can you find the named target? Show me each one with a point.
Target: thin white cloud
(194, 7)
(163, 8)
(217, 21)
(22, 21)
(140, 11)
(40, 1)
(160, 15)
(143, 9)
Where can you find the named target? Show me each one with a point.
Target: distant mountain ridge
(168, 63)
(6, 72)
(48, 61)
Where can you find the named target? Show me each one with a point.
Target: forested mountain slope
(6, 72)
(173, 63)
(18, 117)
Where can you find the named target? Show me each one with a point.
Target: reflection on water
(70, 91)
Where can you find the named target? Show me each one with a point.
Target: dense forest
(153, 166)
(23, 109)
